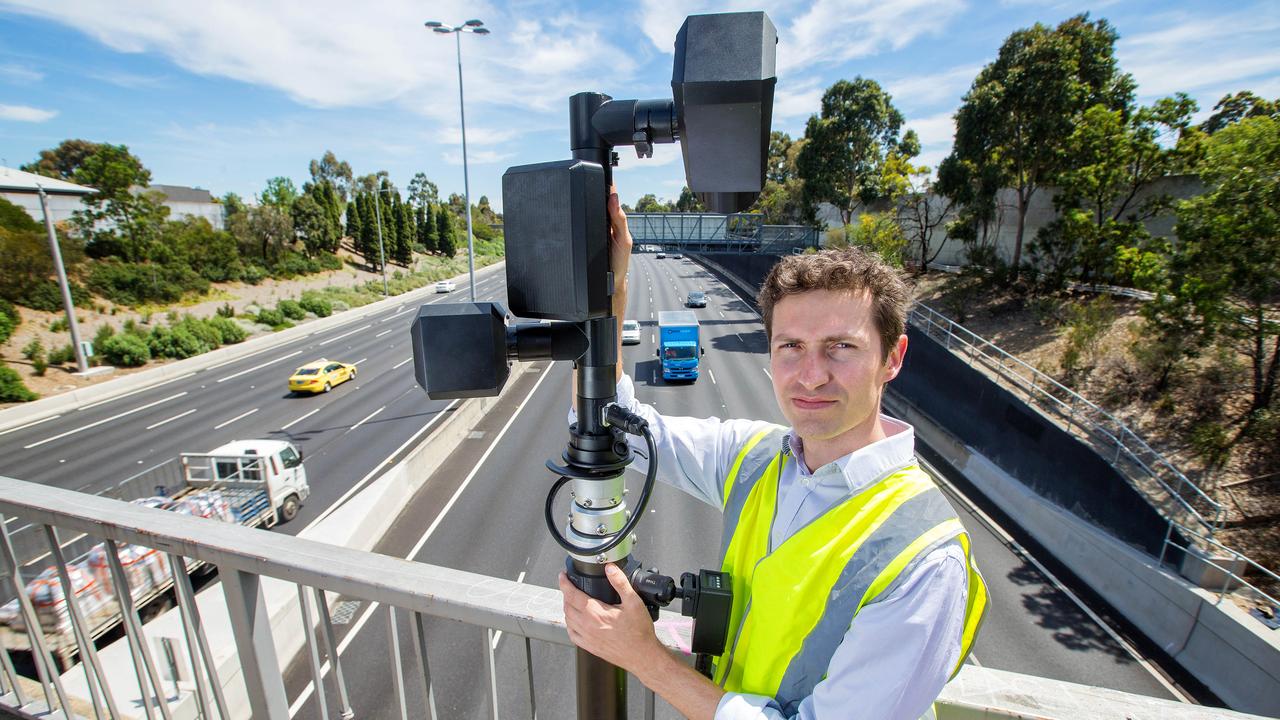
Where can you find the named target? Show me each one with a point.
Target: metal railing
(1186, 507)
(1140, 464)
(708, 232)
(270, 621)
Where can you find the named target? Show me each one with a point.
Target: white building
(190, 202)
(19, 188)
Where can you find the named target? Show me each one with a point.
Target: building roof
(12, 180)
(181, 193)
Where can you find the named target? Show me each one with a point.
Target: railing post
(1164, 547)
(251, 626)
(95, 680)
(40, 656)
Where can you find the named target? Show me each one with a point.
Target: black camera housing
(554, 218)
(460, 350)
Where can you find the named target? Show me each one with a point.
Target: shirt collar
(865, 465)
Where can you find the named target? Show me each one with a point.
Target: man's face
(828, 366)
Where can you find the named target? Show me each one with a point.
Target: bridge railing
(275, 596)
(708, 232)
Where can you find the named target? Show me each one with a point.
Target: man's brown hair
(845, 269)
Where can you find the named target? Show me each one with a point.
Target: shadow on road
(1054, 611)
(745, 342)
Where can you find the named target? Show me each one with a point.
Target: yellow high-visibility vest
(793, 604)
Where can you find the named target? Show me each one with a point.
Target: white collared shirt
(899, 651)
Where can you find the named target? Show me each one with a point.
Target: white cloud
(833, 32)
(24, 113)
(131, 81)
(329, 53)
(1206, 56)
(20, 74)
(798, 100)
(947, 86)
(476, 157)
(934, 130)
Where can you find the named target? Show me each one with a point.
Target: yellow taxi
(320, 376)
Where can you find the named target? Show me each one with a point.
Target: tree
(402, 251)
(280, 193)
(313, 226)
(1234, 108)
(1108, 159)
(63, 161)
(426, 228)
(1224, 277)
(334, 171)
(484, 213)
(368, 246)
(116, 221)
(847, 145)
(232, 205)
(782, 200)
(649, 204)
(353, 220)
(688, 202)
(423, 192)
(921, 211)
(371, 182)
(445, 240)
(1015, 120)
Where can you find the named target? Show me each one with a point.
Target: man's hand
(619, 246)
(620, 635)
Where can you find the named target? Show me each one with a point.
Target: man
(855, 595)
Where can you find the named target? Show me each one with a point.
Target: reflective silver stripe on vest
(911, 520)
(749, 473)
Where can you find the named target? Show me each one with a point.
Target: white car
(630, 332)
(445, 286)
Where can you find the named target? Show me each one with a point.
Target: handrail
(246, 558)
(1140, 460)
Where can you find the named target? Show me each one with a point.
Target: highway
(482, 512)
(344, 434)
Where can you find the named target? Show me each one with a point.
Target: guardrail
(1136, 461)
(307, 574)
(1186, 507)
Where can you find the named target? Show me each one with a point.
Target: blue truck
(679, 348)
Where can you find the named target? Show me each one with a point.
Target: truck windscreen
(678, 353)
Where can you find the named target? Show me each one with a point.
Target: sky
(224, 95)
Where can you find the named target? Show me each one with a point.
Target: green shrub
(12, 389)
(59, 325)
(45, 295)
(33, 349)
(9, 320)
(226, 311)
(125, 350)
(291, 309)
(229, 330)
(63, 355)
(176, 342)
(136, 283)
(253, 274)
(274, 318)
(210, 337)
(316, 305)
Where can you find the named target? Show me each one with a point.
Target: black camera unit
(557, 269)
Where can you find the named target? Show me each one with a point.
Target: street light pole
(82, 362)
(476, 27)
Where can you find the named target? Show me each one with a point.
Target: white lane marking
(175, 417)
(1022, 553)
(498, 635)
(360, 485)
(371, 607)
(650, 314)
(366, 419)
(721, 313)
(259, 366)
(384, 332)
(766, 372)
(304, 417)
(397, 365)
(360, 361)
(104, 420)
(350, 332)
(135, 392)
(30, 424)
(712, 376)
(241, 415)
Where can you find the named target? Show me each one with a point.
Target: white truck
(256, 483)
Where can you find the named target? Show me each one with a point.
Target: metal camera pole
(598, 509)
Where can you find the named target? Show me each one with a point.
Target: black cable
(650, 479)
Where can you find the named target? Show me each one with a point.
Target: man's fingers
(621, 584)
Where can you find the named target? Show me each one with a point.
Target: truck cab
(273, 467)
(679, 345)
